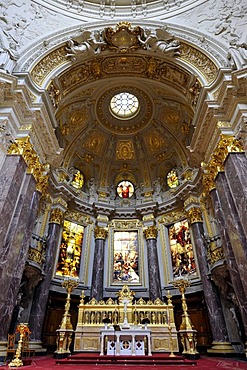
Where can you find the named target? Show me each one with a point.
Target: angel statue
(86, 44)
(160, 41)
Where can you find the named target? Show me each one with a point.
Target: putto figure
(160, 41)
(86, 44)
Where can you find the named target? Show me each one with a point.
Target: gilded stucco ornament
(122, 39)
(100, 233)
(151, 232)
(215, 254)
(226, 145)
(39, 171)
(195, 215)
(56, 216)
(172, 217)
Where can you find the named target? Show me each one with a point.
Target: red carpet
(203, 363)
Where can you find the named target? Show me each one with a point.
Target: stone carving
(157, 187)
(92, 186)
(160, 41)
(123, 39)
(7, 51)
(238, 56)
(6, 138)
(86, 44)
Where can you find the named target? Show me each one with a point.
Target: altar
(133, 341)
(134, 338)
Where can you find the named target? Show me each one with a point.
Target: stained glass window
(172, 179)
(126, 254)
(70, 249)
(77, 180)
(125, 189)
(183, 260)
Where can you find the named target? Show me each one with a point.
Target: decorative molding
(172, 217)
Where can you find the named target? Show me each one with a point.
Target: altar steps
(96, 359)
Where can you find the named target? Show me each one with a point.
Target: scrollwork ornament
(151, 232)
(208, 182)
(56, 216)
(195, 215)
(42, 184)
(100, 233)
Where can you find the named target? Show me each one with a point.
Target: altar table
(125, 341)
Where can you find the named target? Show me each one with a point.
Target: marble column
(153, 263)
(14, 255)
(232, 240)
(12, 175)
(41, 294)
(235, 167)
(100, 235)
(212, 299)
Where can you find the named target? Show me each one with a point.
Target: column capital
(100, 233)
(151, 232)
(195, 215)
(226, 145)
(23, 147)
(56, 216)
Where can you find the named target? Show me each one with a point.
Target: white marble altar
(125, 341)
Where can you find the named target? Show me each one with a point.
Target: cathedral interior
(123, 169)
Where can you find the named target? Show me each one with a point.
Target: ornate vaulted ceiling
(164, 73)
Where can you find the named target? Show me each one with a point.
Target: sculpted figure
(84, 45)
(160, 41)
(7, 51)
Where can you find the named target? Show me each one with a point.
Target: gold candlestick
(65, 330)
(182, 285)
(187, 332)
(23, 329)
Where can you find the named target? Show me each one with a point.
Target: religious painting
(183, 260)
(126, 254)
(125, 189)
(70, 250)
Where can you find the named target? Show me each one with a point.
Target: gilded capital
(151, 232)
(226, 145)
(24, 148)
(100, 233)
(56, 216)
(195, 215)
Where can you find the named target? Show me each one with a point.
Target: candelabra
(186, 331)
(65, 330)
(23, 329)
